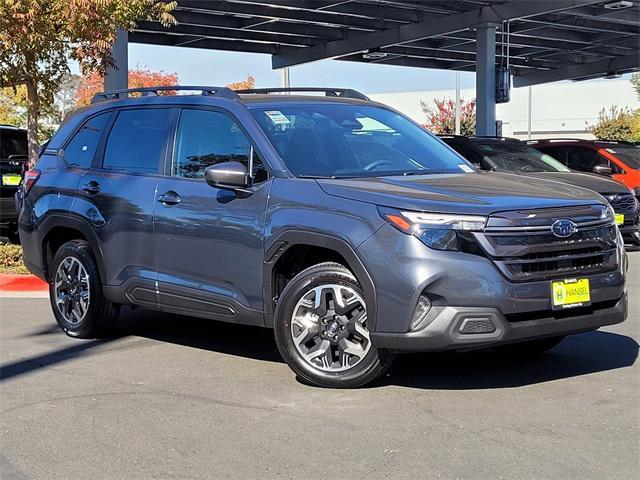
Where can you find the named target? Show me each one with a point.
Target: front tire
(75, 291)
(321, 329)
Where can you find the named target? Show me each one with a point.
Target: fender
(73, 221)
(289, 238)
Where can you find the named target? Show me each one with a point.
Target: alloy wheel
(329, 328)
(71, 289)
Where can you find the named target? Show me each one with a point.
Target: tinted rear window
(82, 147)
(13, 143)
(137, 140)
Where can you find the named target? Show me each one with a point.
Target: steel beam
(426, 29)
(586, 70)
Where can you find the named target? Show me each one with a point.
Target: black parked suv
(499, 154)
(340, 223)
(13, 156)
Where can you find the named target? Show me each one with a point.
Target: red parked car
(618, 159)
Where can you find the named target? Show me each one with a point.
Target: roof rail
(329, 92)
(559, 139)
(223, 92)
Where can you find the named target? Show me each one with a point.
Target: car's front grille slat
(536, 255)
(623, 202)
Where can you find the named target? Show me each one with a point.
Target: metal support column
(457, 120)
(118, 78)
(486, 80)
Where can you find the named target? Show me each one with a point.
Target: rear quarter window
(82, 147)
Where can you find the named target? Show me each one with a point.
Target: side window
(82, 147)
(205, 138)
(583, 159)
(137, 140)
(615, 169)
(559, 153)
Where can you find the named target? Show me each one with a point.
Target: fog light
(472, 326)
(420, 312)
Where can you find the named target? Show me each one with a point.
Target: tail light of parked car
(30, 178)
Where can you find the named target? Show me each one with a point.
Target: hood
(479, 193)
(592, 181)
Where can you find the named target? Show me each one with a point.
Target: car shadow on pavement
(577, 355)
(31, 364)
(240, 340)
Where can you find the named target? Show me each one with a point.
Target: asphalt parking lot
(180, 397)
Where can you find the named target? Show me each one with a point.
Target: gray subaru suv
(338, 222)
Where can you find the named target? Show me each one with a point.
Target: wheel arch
(337, 249)
(58, 229)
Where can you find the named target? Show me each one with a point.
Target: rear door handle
(169, 198)
(91, 188)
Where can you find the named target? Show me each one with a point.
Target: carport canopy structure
(549, 40)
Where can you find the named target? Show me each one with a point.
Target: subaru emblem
(564, 228)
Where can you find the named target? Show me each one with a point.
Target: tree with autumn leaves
(138, 77)
(37, 39)
(441, 117)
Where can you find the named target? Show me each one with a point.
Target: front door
(209, 241)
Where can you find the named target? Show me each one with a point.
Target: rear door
(118, 197)
(209, 241)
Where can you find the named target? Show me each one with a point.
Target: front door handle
(91, 188)
(169, 198)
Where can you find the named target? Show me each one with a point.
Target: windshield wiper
(319, 177)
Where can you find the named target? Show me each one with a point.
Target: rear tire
(321, 329)
(75, 291)
(531, 348)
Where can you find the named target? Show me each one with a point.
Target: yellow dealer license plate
(619, 219)
(573, 292)
(11, 179)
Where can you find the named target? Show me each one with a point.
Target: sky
(211, 67)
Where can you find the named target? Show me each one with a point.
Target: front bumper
(461, 285)
(441, 330)
(631, 233)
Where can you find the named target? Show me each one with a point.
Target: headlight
(439, 231)
(607, 214)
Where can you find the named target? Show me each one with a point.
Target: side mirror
(602, 170)
(228, 175)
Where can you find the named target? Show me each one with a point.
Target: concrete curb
(21, 283)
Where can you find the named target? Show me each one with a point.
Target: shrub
(11, 259)
(616, 124)
(441, 117)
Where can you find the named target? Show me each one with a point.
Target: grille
(537, 255)
(622, 202)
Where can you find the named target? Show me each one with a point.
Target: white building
(563, 109)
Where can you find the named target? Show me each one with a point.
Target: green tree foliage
(616, 124)
(635, 81)
(37, 38)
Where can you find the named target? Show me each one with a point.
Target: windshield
(331, 140)
(517, 157)
(629, 155)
